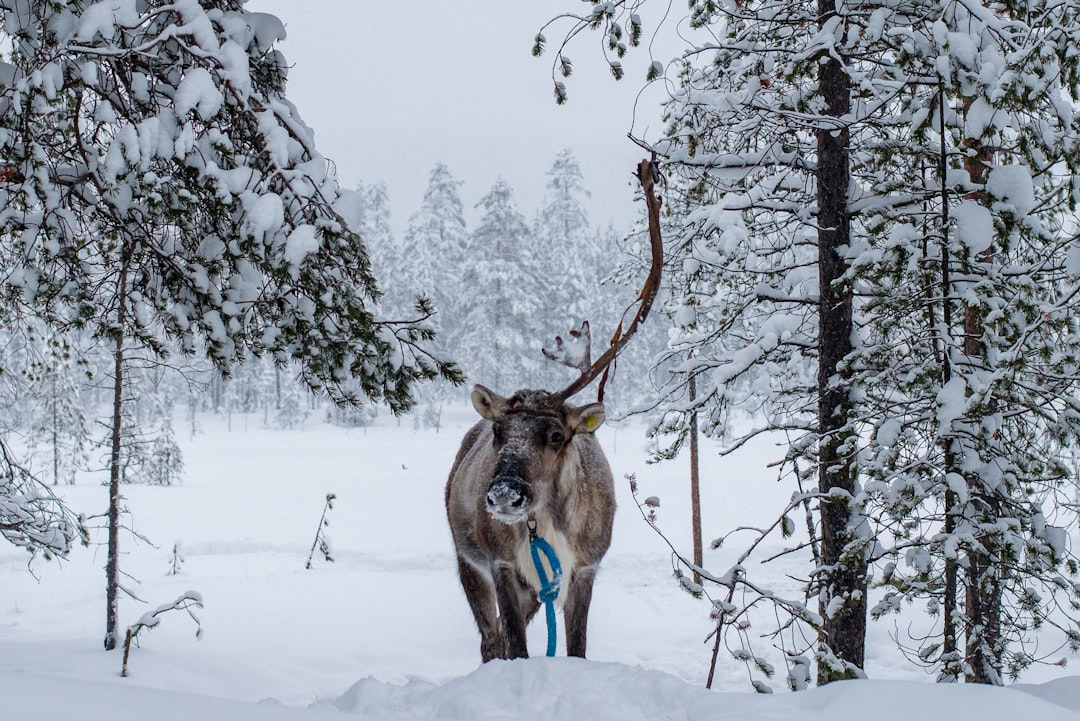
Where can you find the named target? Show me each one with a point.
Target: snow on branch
(197, 175)
(31, 516)
(740, 596)
(151, 619)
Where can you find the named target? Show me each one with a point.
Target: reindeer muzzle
(508, 499)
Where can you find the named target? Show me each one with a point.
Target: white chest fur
(565, 556)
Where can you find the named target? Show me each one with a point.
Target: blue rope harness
(549, 590)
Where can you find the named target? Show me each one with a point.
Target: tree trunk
(843, 580)
(695, 482)
(277, 387)
(112, 566)
(983, 588)
(983, 627)
(950, 656)
(55, 436)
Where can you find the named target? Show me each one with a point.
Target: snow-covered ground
(384, 631)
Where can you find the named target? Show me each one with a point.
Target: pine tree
(164, 193)
(578, 258)
(637, 374)
(31, 516)
(983, 292)
(766, 310)
(844, 565)
(149, 453)
(955, 400)
(241, 392)
(290, 410)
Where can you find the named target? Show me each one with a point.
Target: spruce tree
(56, 418)
(578, 258)
(379, 237)
(564, 240)
(31, 515)
(434, 245)
(500, 337)
(432, 255)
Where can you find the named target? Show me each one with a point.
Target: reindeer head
(531, 431)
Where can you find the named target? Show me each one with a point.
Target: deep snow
(384, 632)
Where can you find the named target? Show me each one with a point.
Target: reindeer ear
(587, 418)
(487, 402)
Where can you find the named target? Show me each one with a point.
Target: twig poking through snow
(321, 540)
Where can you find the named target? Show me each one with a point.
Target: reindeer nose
(508, 499)
(505, 493)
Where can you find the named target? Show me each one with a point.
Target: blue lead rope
(549, 590)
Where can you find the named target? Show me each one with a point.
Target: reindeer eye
(556, 438)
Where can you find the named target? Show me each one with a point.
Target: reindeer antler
(648, 174)
(576, 352)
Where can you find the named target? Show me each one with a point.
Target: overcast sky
(391, 88)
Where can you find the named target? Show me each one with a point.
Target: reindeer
(532, 466)
(531, 460)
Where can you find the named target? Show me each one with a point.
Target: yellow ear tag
(590, 423)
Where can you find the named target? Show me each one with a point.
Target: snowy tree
(976, 329)
(377, 234)
(434, 245)
(162, 191)
(289, 409)
(243, 389)
(350, 416)
(499, 335)
(430, 262)
(953, 385)
(31, 515)
(564, 238)
(766, 162)
(637, 375)
(164, 465)
(367, 210)
(257, 385)
(843, 577)
(149, 453)
(58, 432)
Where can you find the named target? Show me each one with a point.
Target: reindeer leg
(480, 593)
(512, 612)
(530, 604)
(576, 609)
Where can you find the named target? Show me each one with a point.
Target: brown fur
(572, 501)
